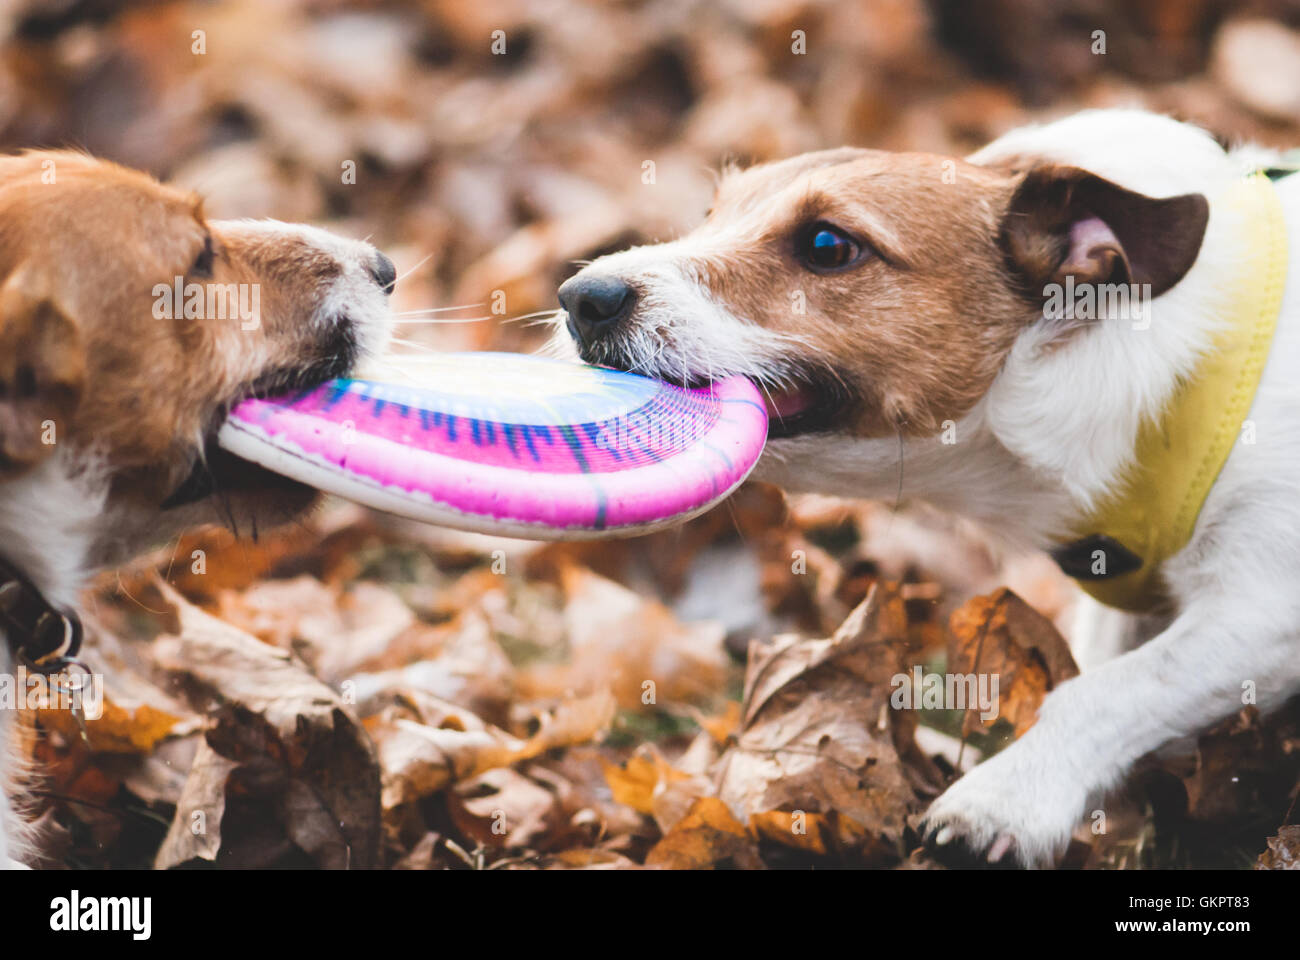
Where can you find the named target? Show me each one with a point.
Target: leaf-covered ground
(366, 692)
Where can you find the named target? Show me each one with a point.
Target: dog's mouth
(809, 399)
(217, 471)
(810, 403)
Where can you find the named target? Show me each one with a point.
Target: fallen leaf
(647, 783)
(1235, 771)
(195, 831)
(418, 759)
(707, 838)
(1001, 636)
(585, 858)
(819, 735)
(506, 809)
(1283, 851)
(820, 834)
(302, 765)
(460, 662)
(621, 641)
(635, 781)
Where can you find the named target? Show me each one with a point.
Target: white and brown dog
(898, 309)
(129, 324)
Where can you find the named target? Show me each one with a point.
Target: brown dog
(129, 324)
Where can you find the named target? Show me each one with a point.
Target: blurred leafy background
(505, 167)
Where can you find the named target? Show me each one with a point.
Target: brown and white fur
(131, 401)
(938, 320)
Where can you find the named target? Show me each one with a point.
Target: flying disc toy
(513, 445)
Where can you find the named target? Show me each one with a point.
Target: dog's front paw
(1003, 812)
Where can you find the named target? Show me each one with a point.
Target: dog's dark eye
(824, 247)
(203, 262)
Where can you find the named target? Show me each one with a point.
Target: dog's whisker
(410, 270)
(647, 366)
(416, 345)
(898, 494)
(172, 560)
(545, 314)
(121, 588)
(771, 402)
(414, 321)
(422, 310)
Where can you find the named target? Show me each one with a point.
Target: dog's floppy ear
(1064, 221)
(42, 371)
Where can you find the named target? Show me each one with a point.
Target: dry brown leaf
(595, 817)
(503, 808)
(159, 779)
(334, 631)
(708, 837)
(460, 662)
(649, 784)
(118, 729)
(1233, 764)
(620, 640)
(723, 726)
(815, 833)
(818, 733)
(587, 858)
(202, 564)
(304, 771)
(1001, 635)
(635, 781)
(195, 831)
(428, 853)
(1283, 851)
(418, 759)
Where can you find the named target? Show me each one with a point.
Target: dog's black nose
(383, 272)
(595, 305)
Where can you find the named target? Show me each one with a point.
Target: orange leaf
(117, 730)
(1001, 636)
(707, 837)
(636, 782)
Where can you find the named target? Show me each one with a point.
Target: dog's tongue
(783, 404)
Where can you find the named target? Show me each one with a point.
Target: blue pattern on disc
(514, 389)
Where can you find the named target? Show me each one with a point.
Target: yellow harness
(1122, 545)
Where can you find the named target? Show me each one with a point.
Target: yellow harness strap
(1123, 544)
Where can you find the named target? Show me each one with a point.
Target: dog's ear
(1064, 221)
(42, 371)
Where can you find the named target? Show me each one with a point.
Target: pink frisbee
(513, 445)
